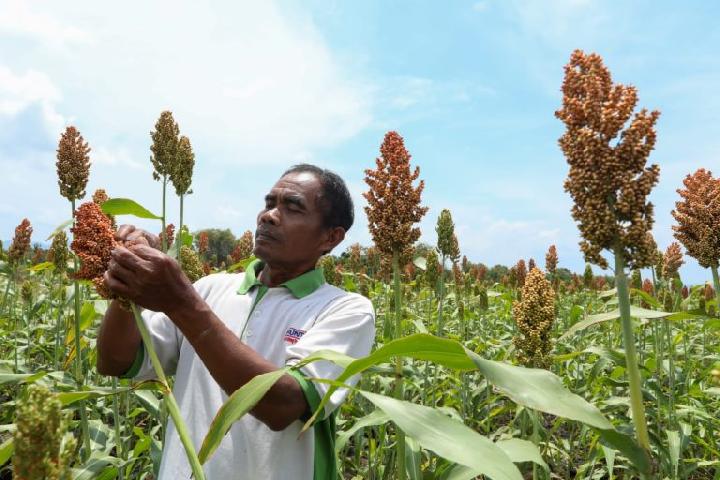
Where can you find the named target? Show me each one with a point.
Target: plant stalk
(636, 400)
(716, 283)
(163, 240)
(170, 402)
(79, 374)
(178, 236)
(399, 434)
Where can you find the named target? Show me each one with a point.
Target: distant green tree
(220, 244)
(496, 273)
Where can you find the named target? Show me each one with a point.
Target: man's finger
(116, 286)
(145, 252)
(123, 231)
(119, 272)
(126, 258)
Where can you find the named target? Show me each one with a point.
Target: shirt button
(257, 313)
(249, 333)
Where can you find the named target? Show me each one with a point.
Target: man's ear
(333, 237)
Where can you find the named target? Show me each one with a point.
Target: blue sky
(472, 86)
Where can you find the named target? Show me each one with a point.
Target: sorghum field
(522, 372)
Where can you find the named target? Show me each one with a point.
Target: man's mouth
(263, 235)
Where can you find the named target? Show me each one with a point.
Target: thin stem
(716, 283)
(170, 402)
(442, 298)
(118, 437)
(178, 237)
(79, 374)
(399, 434)
(636, 400)
(162, 237)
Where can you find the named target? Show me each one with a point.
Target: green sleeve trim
(137, 363)
(325, 460)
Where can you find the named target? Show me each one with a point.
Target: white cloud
(20, 90)
(17, 18)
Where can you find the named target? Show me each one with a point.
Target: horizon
(260, 87)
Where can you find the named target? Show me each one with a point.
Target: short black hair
(338, 209)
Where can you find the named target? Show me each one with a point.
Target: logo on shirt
(292, 335)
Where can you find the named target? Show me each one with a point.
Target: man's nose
(271, 216)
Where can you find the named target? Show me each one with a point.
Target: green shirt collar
(300, 286)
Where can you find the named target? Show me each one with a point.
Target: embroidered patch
(292, 335)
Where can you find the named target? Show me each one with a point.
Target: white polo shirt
(284, 325)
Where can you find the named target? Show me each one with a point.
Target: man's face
(290, 228)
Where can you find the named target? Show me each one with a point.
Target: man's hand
(130, 235)
(149, 278)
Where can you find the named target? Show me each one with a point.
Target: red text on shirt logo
(292, 335)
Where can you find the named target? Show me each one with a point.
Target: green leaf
(125, 206)
(608, 293)
(241, 264)
(447, 437)
(520, 450)
(376, 417)
(93, 467)
(239, 403)
(6, 450)
(645, 296)
(20, 377)
(42, 266)
(590, 320)
(625, 444)
(60, 228)
(419, 346)
(540, 390)
(420, 262)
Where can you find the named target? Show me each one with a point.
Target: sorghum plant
(244, 247)
(73, 170)
(182, 171)
(43, 449)
(551, 262)
(672, 261)
(93, 242)
(164, 148)
(73, 164)
(698, 218)
(393, 210)
(609, 183)
(58, 253)
(534, 315)
(191, 264)
(167, 236)
(447, 246)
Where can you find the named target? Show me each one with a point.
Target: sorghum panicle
(588, 276)
(520, 273)
(191, 264)
(168, 235)
(182, 169)
(20, 245)
(42, 448)
(203, 242)
(551, 260)
(58, 253)
(672, 261)
(93, 242)
(447, 243)
(608, 178)
(393, 202)
(698, 217)
(100, 196)
(534, 316)
(73, 164)
(164, 146)
(355, 257)
(244, 247)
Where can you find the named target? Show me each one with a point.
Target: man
(218, 334)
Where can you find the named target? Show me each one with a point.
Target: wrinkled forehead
(303, 184)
